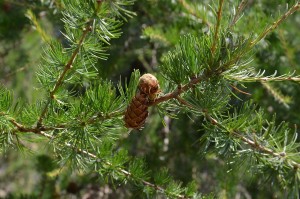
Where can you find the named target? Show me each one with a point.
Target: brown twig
(254, 144)
(96, 118)
(239, 90)
(264, 149)
(266, 79)
(182, 101)
(275, 24)
(240, 8)
(38, 131)
(16, 71)
(178, 91)
(44, 111)
(219, 16)
(191, 10)
(125, 172)
(67, 67)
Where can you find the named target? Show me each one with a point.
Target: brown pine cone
(137, 111)
(149, 85)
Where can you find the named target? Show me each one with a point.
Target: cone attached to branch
(137, 111)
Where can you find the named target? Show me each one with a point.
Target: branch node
(179, 87)
(282, 154)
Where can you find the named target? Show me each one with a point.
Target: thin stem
(15, 72)
(239, 90)
(67, 67)
(44, 111)
(219, 16)
(277, 94)
(265, 79)
(182, 101)
(275, 24)
(240, 8)
(254, 144)
(125, 172)
(289, 52)
(39, 131)
(264, 149)
(39, 29)
(192, 11)
(96, 118)
(177, 92)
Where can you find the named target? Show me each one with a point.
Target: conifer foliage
(85, 119)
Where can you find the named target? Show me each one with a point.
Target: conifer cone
(148, 84)
(137, 111)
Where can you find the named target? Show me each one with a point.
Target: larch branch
(178, 91)
(67, 67)
(39, 131)
(240, 8)
(219, 16)
(265, 79)
(275, 24)
(253, 144)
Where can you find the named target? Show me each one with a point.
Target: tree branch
(192, 11)
(275, 24)
(67, 67)
(38, 131)
(253, 144)
(96, 118)
(177, 92)
(265, 79)
(239, 90)
(266, 150)
(219, 16)
(125, 172)
(240, 8)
